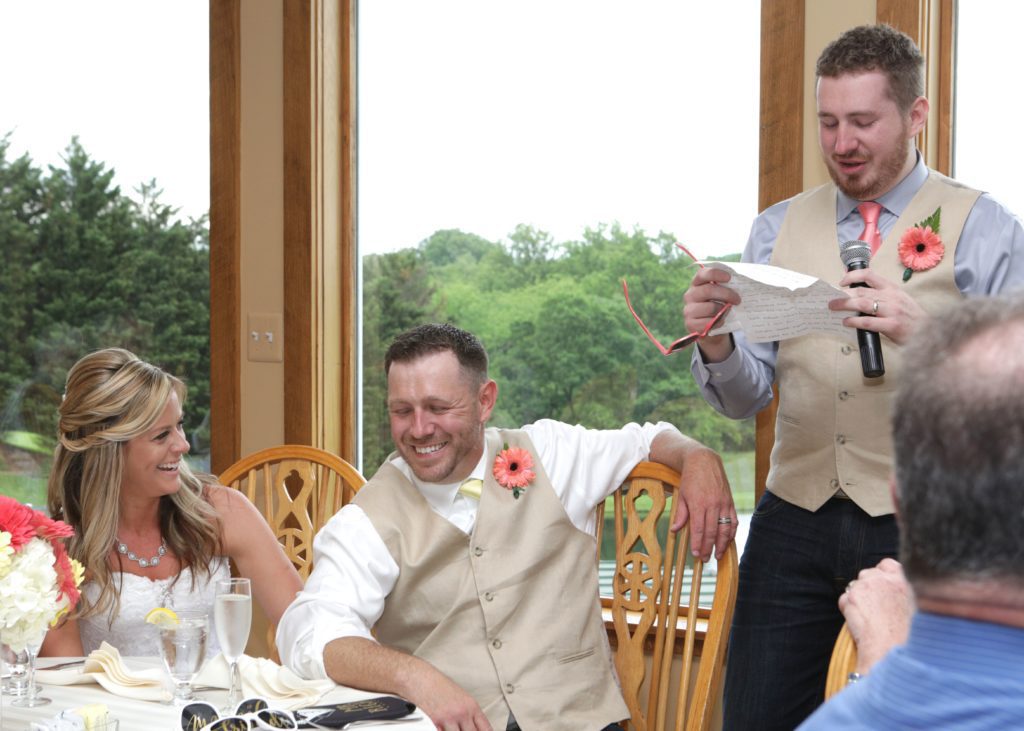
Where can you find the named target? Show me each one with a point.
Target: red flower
(513, 469)
(18, 520)
(49, 528)
(921, 248)
(65, 575)
(24, 524)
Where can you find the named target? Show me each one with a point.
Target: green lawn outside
(25, 489)
(739, 468)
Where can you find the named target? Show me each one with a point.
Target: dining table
(140, 715)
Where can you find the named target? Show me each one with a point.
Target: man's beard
(887, 177)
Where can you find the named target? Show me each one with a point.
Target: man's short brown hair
(877, 48)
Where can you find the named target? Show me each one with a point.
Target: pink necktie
(869, 211)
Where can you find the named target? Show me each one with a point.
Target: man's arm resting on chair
(703, 489)
(361, 663)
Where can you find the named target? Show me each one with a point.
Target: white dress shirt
(354, 571)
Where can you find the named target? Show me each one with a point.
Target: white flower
(28, 595)
(6, 552)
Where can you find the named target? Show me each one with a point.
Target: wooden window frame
(319, 165)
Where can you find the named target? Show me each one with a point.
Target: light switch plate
(265, 335)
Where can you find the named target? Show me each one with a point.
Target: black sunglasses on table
(252, 713)
(255, 713)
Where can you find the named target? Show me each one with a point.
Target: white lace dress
(129, 632)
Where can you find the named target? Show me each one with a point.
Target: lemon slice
(162, 617)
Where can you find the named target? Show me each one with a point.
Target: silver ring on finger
(724, 520)
(874, 307)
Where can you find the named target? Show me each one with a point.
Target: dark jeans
(795, 565)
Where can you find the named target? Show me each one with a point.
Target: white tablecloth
(146, 716)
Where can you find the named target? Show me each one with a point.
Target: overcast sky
(560, 114)
(129, 77)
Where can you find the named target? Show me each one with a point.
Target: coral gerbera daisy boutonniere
(513, 469)
(920, 246)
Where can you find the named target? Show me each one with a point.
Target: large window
(104, 180)
(985, 97)
(517, 161)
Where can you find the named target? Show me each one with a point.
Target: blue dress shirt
(989, 260)
(953, 674)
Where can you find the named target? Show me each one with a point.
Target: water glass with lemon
(182, 647)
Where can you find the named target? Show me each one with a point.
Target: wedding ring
(850, 585)
(874, 307)
(724, 520)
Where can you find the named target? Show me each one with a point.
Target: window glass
(104, 192)
(517, 161)
(986, 35)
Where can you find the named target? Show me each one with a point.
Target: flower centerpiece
(38, 581)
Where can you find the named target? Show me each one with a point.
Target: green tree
(554, 320)
(397, 295)
(87, 267)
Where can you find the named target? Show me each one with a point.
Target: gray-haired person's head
(958, 431)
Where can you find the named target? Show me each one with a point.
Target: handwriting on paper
(779, 303)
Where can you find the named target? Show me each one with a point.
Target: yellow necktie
(471, 487)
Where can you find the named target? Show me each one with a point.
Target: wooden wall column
(225, 233)
(319, 241)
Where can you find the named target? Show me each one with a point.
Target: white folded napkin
(266, 679)
(260, 677)
(106, 667)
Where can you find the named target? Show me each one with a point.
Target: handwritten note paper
(779, 303)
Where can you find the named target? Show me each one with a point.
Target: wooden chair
(652, 626)
(297, 488)
(843, 662)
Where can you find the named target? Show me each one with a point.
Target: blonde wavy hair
(112, 396)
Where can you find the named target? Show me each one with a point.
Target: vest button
(833, 483)
(843, 395)
(847, 349)
(841, 438)
(496, 644)
(478, 551)
(509, 688)
(489, 596)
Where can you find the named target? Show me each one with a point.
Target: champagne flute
(232, 613)
(30, 699)
(183, 648)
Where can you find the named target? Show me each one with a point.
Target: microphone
(856, 255)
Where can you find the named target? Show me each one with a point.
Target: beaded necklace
(144, 563)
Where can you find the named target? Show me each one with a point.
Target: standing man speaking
(827, 512)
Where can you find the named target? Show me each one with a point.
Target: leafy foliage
(552, 316)
(86, 267)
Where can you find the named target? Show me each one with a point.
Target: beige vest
(832, 430)
(511, 612)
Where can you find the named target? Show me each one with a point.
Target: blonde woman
(148, 531)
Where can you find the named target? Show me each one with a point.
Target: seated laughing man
(484, 610)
